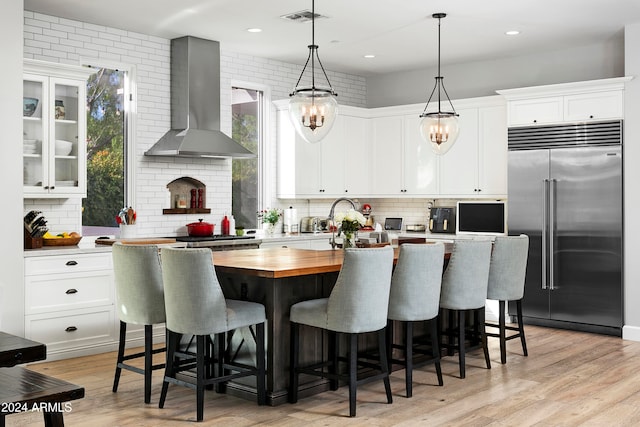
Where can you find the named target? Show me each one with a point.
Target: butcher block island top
(278, 263)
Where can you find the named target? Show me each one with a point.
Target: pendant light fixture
(439, 128)
(313, 109)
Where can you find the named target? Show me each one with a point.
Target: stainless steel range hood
(195, 104)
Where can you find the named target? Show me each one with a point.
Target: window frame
(265, 144)
(130, 120)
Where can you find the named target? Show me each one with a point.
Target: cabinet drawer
(67, 263)
(44, 294)
(77, 328)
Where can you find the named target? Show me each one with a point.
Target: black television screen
(481, 218)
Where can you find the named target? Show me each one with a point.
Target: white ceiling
(401, 33)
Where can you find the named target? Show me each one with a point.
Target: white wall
(483, 78)
(632, 178)
(11, 258)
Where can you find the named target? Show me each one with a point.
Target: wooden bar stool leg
(483, 337)
(435, 347)
(408, 357)
(333, 354)
(502, 332)
(384, 365)
(521, 327)
(148, 361)
(353, 373)
(200, 374)
(461, 355)
(120, 358)
(389, 337)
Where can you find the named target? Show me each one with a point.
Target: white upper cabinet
(568, 102)
(535, 111)
(420, 163)
(386, 154)
(336, 166)
(459, 166)
(476, 165)
(380, 153)
(54, 130)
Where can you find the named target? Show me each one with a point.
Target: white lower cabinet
(69, 303)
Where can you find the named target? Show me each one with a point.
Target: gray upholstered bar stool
(195, 305)
(506, 283)
(358, 303)
(415, 297)
(464, 289)
(139, 301)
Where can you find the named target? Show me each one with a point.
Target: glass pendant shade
(313, 112)
(440, 130)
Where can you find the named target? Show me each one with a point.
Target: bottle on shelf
(232, 225)
(225, 226)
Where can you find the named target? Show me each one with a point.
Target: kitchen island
(279, 278)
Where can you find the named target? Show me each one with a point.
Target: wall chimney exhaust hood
(195, 104)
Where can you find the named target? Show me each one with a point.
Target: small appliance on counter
(369, 219)
(393, 224)
(310, 224)
(442, 220)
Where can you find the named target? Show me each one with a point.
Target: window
(247, 129)
(107, 111)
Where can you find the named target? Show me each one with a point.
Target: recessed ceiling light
(512, 32)
(369, 56)
(254, 30)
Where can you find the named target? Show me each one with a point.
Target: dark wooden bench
(23, 390)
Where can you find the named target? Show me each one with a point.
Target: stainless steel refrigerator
(565, 192)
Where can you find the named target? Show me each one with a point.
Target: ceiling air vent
(302, 16)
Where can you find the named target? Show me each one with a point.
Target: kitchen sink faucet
(331, 214)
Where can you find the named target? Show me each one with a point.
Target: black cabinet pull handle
(18, 356)
(72, 262)
(71, 329)
(71, 291)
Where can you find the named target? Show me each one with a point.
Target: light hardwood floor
(569, 379)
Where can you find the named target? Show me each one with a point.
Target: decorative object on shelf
(200, 203)
(63, 148)
(194, 198)
(59, 110)
(313, 109)
(349, 224)
(271, 218)
(439, 128)
(29, 106)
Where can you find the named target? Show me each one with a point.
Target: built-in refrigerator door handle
(545, 207)
(552, 229)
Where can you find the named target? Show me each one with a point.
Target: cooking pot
(200, 228)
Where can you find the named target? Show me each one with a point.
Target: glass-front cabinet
(54, 130)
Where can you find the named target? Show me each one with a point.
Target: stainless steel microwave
(481, 217)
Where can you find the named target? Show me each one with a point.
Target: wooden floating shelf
(176, 211)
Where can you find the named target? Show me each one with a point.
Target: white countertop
(87, 245)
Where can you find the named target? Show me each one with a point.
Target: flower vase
(349, 240)
(271, 228)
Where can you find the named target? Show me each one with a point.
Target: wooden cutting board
(137, 241)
